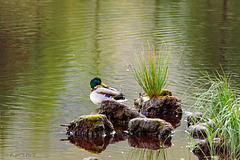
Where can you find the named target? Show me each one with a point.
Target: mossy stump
(118, 113)
(153, 127)
(165, 107)
(90, 125)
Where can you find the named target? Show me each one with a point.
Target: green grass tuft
(220, 103)
(151, 73)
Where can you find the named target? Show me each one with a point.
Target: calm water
(50, 50)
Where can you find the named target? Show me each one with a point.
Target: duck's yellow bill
(102, 84)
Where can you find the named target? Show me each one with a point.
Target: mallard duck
(98, 94)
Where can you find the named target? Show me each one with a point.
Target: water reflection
(135, 154)
(100, 143)
(93, 145)
(149, 142)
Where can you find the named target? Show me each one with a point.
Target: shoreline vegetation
(219, 102)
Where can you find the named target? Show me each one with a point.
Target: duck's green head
(96, 81)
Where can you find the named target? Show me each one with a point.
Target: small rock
(198, 125)
(163, 107)
(195, 118)
(150, 127)
(203, 151)
(200, 130)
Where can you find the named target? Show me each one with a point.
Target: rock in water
(196, 118)
(165, 107)
(198, 125)
(118, 113)
(90, 125)
(203, 150)
(150, 127)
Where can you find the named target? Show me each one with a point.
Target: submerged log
(118, 113)
(90, 125)
(150, 127)
(165, 107)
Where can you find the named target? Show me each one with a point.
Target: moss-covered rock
(90, 125)
(150, 127)
(165, 107)
(118, 113)
(165, 92)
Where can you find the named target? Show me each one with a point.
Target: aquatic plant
(151, 73)
(220, 103)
